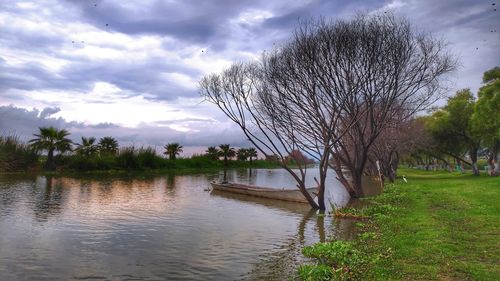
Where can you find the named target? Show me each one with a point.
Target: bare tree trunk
(473, 158)
(50, 160)
(357, 184)
(308, 196)
(494, 167)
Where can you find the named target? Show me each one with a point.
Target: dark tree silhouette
(172, 150)
(51, 139)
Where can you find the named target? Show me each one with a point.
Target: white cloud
(139, 63)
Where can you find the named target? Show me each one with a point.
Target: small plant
(337, 260)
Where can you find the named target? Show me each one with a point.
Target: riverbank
(435, 226)
(101, 165)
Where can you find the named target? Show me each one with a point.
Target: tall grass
(16, 155)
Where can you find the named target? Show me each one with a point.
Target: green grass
(438, 226)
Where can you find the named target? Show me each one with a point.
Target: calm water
(154, 228)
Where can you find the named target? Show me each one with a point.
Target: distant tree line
(57, 151)
(460, 132)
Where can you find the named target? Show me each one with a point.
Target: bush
(82, 163)
(147, 158)
(127, 159)
(338, 260)
(16, 155)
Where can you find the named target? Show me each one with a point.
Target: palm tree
(51, 139)
(87, 147)
(227, 152)
(242, 154)
(108, 146)
(172, 150)
(251, 152)
(212, 152)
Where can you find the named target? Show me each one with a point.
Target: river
(156, 227)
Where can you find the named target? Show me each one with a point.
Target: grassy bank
(438, 226)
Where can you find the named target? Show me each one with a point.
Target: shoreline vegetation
(436, 225)
(88, 157)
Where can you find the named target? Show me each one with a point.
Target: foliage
(486, 117)
(127, 158)
(320, 272)
(148, 159)
(435, 226)
(51, 139)
(227, 152)
(242, 154)
(88, 147)
(251, 153)
(15, 155)
(491, 75)
(452, 127)
(212, 152)
(108, 146)
(337, 260)
(172, 150)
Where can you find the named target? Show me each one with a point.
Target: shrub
(126, 159)
(341, 259)
(16, 155)
(147, 158)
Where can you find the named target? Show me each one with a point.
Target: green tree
(212, 152)
(491, 75)
(452, 128)
(108, 146)
(486, 116)
(227, 152)
(252, 152)
(51, 139)
(88, 147)
(172, 150)
(242, 154)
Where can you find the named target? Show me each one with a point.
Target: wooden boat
(293, 195)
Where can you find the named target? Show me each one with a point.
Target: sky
(129, 69)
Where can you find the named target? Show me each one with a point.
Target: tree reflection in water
(48, 202)
(282, 264)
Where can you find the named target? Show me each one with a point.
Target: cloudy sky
(129, 69)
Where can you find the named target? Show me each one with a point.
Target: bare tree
(285, 104)
(330, 92)
(394, 69)
(398, 140)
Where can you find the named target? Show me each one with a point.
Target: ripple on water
(151, 228)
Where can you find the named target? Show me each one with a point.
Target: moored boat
(293, 195)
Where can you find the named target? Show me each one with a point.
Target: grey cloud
(24, 123)
(135, 79)
(184, 120)
(48, 111)
(204, 22)
(199, 21)
(209, 24)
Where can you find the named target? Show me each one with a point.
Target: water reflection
(49, 201)
(153, 227)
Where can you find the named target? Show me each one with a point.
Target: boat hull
(293, 195)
